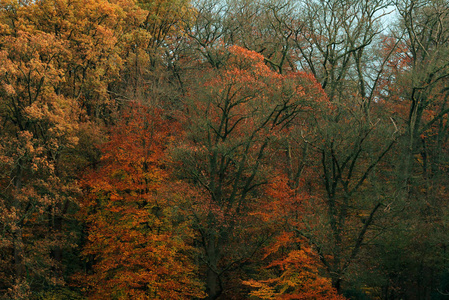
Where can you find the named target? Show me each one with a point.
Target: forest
(224, 149)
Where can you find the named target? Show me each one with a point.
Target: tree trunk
(213, 282)
(18, 234)
(213, 285)
(336, 283)
(18, 253)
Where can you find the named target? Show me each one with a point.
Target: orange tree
(136, 242)
(290, 267)
(299, 278)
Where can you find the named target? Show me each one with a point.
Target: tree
(90, 32)
(39, 128)
(414, 95)
(259, 26)
(291, 267)
(420, 78)
(58, 58)
(137, 244)
(299, 279)
(232, 119)
(151, 53)
(344, 145)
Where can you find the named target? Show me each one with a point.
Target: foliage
(136, 245)
(272, 149)
(299, 279)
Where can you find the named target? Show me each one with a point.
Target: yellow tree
(58, 58)
(38, 129)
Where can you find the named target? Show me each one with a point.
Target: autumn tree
(289, 266)
(58, 58)
(61, 60)
(151, 53)
(38, 128)
(136, 241)
(233, 117)
(299, 279)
